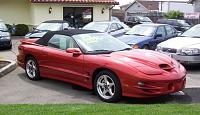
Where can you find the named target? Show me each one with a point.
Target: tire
(10, 47)
(109, 91)
(146, 47)
(32, 69)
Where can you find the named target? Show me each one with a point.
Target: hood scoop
(166, 67)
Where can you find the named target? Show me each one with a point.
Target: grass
(101, 109)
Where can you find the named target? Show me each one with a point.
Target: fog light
(141, 83)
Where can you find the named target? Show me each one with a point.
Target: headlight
(7, 37)
(27, 35)
(136, 46)
(190, 51)
(159, 48)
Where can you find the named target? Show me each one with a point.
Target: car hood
(4, 34)
(139, 58)
(181, 42)
(36, 34)
(132, 39)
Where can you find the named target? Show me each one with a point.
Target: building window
(78, 16)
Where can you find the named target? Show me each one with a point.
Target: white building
(33, 12)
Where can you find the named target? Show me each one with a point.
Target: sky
(122, 2)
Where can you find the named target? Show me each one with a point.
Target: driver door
(160, 36)
(59, 64)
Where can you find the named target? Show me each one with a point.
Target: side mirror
(179, 33)
(158, 35)
(74, 51)
(66, 29)
(34, 28)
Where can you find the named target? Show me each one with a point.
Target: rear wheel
(107, 86)
(32, 70)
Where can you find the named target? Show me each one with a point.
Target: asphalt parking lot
(16, 88)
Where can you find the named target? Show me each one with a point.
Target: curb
(7, 69)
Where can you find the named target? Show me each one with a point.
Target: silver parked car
(5, 39)
(114, 28)
(185, 48)
(44, 27)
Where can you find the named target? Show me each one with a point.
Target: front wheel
(107, 86)
(32, 70)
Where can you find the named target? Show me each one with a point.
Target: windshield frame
(37, 28)
(3, 26)
(196, 29)
(153, 33)
(91, 25)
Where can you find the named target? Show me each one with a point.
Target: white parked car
(114, 28)
(184, 48)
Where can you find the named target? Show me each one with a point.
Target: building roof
(111, 2)
(149, 5)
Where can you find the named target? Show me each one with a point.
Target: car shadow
(70, 90)
(188, 96)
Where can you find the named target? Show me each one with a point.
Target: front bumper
(156, 85)
(184, 59)
(5, 43)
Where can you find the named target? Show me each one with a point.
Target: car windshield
(144, 19)
(193, 32)
(49, 26)
(142, 30)
(101, 27)
(115, 19)
(3, 27)
(183, 23)
(100, 43)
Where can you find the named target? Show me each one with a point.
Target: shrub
(21, 30)
(173, 15)
(10, 28)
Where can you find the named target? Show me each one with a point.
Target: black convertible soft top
(44, 40)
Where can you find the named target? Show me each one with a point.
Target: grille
(169, 50)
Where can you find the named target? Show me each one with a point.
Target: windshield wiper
(195, 36)
(101, 51)
(126, 49)
(138, 35)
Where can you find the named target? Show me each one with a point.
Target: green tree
(173, 15)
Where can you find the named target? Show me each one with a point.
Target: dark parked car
(134, 20)
(5, 40)
(44, 27)
(147, 36)
(180, 25)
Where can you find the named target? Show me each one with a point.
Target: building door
(78, 16)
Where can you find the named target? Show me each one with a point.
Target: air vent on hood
(166, 67)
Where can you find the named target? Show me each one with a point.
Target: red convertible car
(101, 62)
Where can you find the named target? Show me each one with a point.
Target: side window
(120, 26)
(62, 42)
(161, 30)
(113, 27)
(169, 30)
